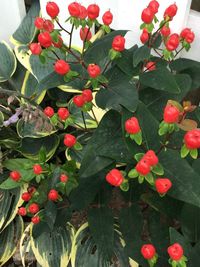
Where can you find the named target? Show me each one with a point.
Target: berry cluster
(62, 115)
(84, 100)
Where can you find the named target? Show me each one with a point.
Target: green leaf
(78, 146)
(141, 54)
(149, 178)
(138, 138)
(138, 156)
(182, 64)
(158, 169)
(50, 212)
(125, 185)
(194, 153)
(160, 79)
(133, 173)
(184, 151)
(10, 184)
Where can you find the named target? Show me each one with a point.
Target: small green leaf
(78, 146)
(133, 173)
(139, 156)
(194, 153)
(158, 169)
(140, 179)
(10, 184)
(125, 185)
(138, 138)
(149, 178)
(184, 151)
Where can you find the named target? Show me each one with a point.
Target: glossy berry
(185, 32)
(59, 43)
(37, 169)
(87, 95)
(85, 34)
(61, 67)
(132, 126)
(144, 37)
(175, 251)
(39, 22)
(52, 9)
(78, 101)
(163, 185)
(148, 251)
(49, 112)
(26, 196)
(147, 15)
(22, 211)
(93, 11)
(192, 139)
(35, 219)
(44, 38)
(64, 178)
(33, 208)
(171, 114)
(63, 113)
(154, 6)
(35, 48)
(15, 176)
(173, 42)
(53, 195)
(94, 70)
(171, 11)
(48, 25)
(107, 18)
(165, 31)
(69, 140)
(151, 158)
(114, 177)
(83, 12)
(190, 37)
(150, 66)
(74, 9)
(118, 43)
(143, 167)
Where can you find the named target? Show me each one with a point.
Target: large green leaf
(141, 54)
(8, 62)
(181, 64)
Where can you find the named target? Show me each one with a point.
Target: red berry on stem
(39, 22)
(87, 95)
(49, 112)
(144, 37)
(114, 177)
(26, 196)
(192, 139)
(61, 67)
(147, 15)
(94, 70)
(107, 18)
(15, 176)
(69, 140)
(85, 34)
(78, 100)
(37, 169)
(165, 31)
(93, 11)
(44, 38)
(171, 114)
(151, 158)
(83, 12)
(118, 43)
(171, 11)
(48, 25)
(163, 185)
(35, 219)
(22, 211)
(52, 9)
(184, 32)
(154, 6)
(53, 195)
(63, 113)
(150, 66)
(132, 126)
(35, 48)
(190, 37)
(33, 208)
(173, 42)
(143, 167)
(175, 251)
(74, 9)
(148, 251)
(64, 178)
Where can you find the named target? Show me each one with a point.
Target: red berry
(184, 32)
(64, 178)
(78, 100)
(165, 31)
(31, 190)
(61, 67)
(163, 185)
(147, 15)
(35, 48)
(22, 211)
(49, 112)
(132, 126)
(190, 37)
(175, 251)
(15, 176)
(114, 177)
(154, 6)
(59, 43)
(39, 22)
(87, 95)
(107, 18)
(63, 113)
(33, 208)
(70, 140)
(26, 196)
(148, 251)
(44, 38)
(151, 158)
(93, 11)
(143, 167)
(35, 220)
(171, 11)
(192, 139)
(37, 169)
(94, 70)
(85, 34)
(83, 12)
(74, 9)
(52, 9)
(144, 37)
(151, 65)
(171, 114)
(118, 43)
(53, 195)
(48, 25)
(173, 42)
